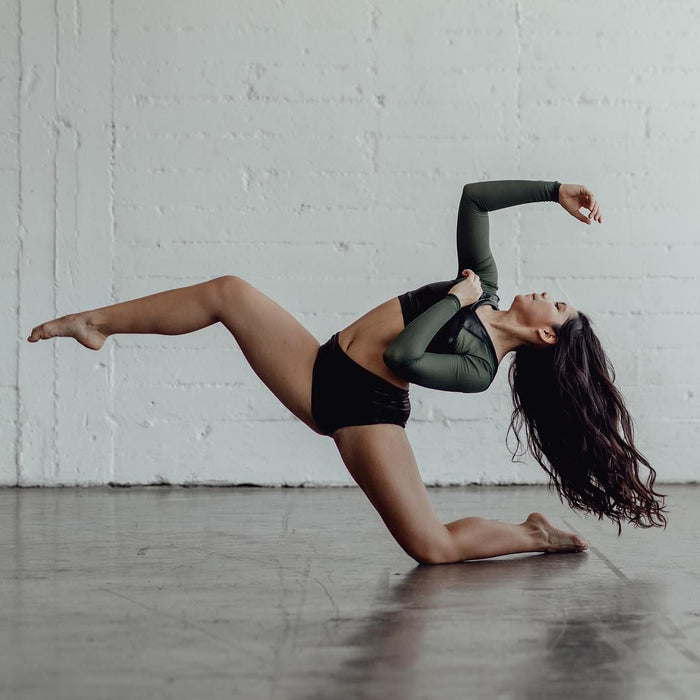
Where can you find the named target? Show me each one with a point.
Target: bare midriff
(366, 339)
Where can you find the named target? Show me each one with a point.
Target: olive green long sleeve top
(444, 345)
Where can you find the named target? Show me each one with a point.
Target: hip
(344, 393)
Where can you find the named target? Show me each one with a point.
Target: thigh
(381, 460)
(278, 348)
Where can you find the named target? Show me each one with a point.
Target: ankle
(95, 320)
(536, 534)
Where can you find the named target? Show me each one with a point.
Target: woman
(446, 335)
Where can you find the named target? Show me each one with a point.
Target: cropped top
(444, 345)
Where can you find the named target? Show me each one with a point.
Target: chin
(521, 305)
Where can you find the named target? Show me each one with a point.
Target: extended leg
(277, 346)
(172, 312)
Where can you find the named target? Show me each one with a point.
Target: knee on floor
(438, 549)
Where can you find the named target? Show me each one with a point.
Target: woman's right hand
(575, 197)
(469, 289)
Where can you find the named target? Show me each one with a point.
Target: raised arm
(479, 198)
(466, 372)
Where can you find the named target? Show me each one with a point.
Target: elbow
(389, 358)
(470, 197)
(469, 190)
(395, 360)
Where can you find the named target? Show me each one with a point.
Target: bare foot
(72, 326)
(556, 540)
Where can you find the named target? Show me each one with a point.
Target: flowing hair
(572, 412)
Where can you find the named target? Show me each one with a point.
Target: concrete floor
(301, 593)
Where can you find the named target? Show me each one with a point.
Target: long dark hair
(564, 394)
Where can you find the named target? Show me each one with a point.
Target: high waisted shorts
(345, 393)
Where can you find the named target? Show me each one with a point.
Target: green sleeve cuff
(456, 298)
(555, 193)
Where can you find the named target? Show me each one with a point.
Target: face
(539, 310)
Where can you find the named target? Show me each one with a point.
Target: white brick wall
(145, 146)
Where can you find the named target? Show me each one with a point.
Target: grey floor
(301, 593)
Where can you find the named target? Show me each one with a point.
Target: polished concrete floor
(301, 593)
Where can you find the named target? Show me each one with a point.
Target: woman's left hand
(574, 197)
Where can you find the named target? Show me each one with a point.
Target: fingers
(578, 197)
(591, 203)
(594, 209)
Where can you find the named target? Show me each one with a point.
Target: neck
(503, 328)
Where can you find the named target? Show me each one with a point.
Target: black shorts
(345, 393)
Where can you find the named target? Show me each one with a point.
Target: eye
(557, 305)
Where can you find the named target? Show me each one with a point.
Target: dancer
(449, 336)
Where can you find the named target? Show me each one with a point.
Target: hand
(573, 197)
(469, 289)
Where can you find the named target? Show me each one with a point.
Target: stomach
(366, 339)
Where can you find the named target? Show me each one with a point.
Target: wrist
(555, 192)
(457, 300)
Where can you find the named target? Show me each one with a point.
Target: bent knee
(438, 549)
(222, 291)
(227, 286)
(227, 281)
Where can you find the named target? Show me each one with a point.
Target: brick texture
(318, 150)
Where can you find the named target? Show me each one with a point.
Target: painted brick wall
(318, 149)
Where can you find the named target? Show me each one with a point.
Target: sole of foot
(556, 540)
(72, 326)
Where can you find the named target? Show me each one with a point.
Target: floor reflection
(507, 627)
(603, 643)
(390, 644)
